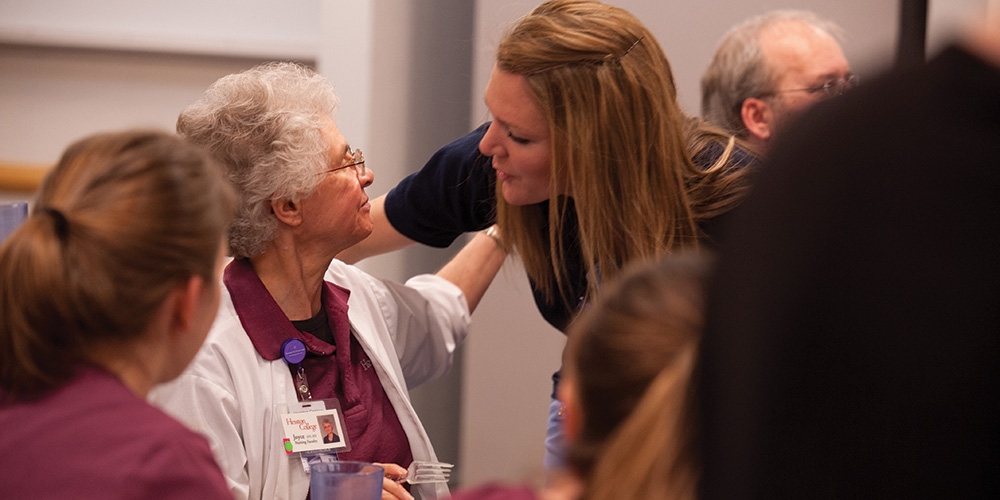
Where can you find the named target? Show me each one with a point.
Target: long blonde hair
(618, 141)
(630, 357)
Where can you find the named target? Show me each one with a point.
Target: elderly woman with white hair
(301, 336)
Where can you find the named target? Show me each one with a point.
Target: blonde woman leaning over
(626, 390)
(106, 290)
(589, 163)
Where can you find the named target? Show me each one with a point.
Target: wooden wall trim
(21, 177)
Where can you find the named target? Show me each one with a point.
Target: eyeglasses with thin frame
(357, 163)
(831, 88)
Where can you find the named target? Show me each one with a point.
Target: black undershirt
(317, 325)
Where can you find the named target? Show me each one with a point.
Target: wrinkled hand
(391, 490)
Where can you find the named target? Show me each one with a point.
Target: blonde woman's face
(518, 140)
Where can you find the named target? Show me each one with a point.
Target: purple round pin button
(293, 351)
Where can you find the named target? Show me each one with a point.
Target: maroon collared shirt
(343, 370)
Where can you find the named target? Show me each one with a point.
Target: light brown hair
(630, 356)
(117, 223)
(619, 142)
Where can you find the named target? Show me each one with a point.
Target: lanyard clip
(293, 351)
(301, 384)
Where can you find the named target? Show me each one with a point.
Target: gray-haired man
(768, 69)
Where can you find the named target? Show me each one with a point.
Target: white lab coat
(229, 391)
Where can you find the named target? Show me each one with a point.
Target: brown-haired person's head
(119, 259)
(626, 388)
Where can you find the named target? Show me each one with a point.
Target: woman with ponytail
(626, 390)
(106, 290)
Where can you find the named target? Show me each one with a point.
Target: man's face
(803, 59)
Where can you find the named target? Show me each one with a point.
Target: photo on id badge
(320, 428)
(327, 424)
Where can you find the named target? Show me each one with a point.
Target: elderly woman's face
(518, 140)
(339, 207)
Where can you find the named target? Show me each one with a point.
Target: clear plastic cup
(345, 481)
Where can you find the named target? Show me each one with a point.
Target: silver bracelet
(494, 232)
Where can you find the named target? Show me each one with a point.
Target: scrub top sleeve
(452, 194)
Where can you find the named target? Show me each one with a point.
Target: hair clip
(630, 48)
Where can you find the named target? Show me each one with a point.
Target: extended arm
(429, 316)
(474, 267)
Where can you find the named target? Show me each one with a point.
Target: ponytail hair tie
(60, 221)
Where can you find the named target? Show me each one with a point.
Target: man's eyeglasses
(357, 163)
(832, 88)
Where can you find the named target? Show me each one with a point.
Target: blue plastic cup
(345, 481)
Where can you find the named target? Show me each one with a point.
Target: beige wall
(410, 74)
